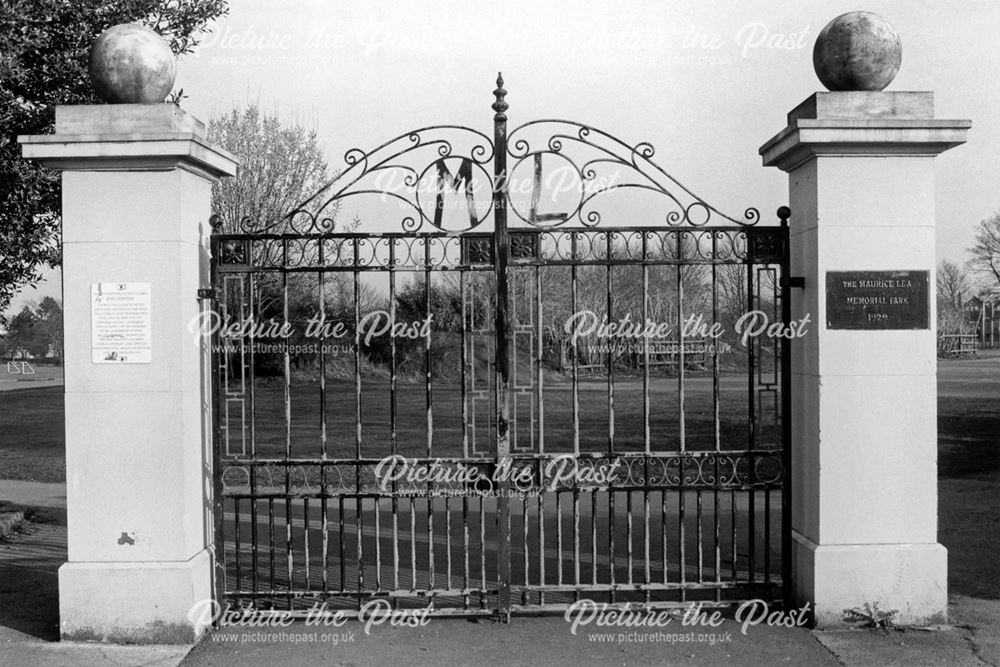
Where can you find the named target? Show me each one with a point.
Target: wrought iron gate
(508, 420)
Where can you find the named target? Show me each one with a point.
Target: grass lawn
(33, 443)
(32, 447)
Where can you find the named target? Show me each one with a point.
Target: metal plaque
(877, 300)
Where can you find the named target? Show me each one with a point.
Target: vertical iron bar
(663, 530)
(751, 436)
(733, 510)
(322, 364)
(429, 403)
(680, 338)
(611, 543)
(559, 539)
(716, 425)
(466, 369)
(305, 538)
(502, 334)
(681, 424)
(645, 532)
(251, 366)
(270, 540)
(395, 542)
(358, 435)
(378, 544)
(786, 414)
(321, 278)
(645, 351)
(767, 538)
(288, 426)
(343, 547)
(239, 578)
(465, 551)
(593, 537)
(611, 348)
(576, 541)
(217, 354)
(413, 544)
(326, 545)
(576, 355)
(701, 549)
(628, 534)
(392, 347)
(524, 548)
(358, 508)
(646, 439)
(249, 384)
(392, 414)
(288, 545)
(447, 541)
(482, 552)
(539, 352)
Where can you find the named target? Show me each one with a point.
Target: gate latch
(206, 293)
(796, 281)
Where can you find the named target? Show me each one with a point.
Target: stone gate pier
(137, 182)
(864, 385)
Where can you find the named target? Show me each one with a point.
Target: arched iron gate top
(457, 156)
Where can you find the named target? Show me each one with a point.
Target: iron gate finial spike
(500, 105)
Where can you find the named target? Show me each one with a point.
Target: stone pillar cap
(125, 137)
(862, 123)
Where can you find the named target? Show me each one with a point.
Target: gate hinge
(796, 281)
(206, 292)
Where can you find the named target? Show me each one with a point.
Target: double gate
(558, 375)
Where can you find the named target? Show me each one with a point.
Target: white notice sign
(120, 323)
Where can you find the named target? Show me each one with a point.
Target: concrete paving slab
(905, 648)
(982, 620)
(525, 641)
(72, 654)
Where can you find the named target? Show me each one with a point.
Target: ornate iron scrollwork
(414, 169)
(589, 154)
(418, 169)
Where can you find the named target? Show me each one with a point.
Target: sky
(707, 83)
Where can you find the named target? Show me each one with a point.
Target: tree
(49, 326)
(22, 337)
(44, 49)
(36, 331)
(281, 166)
(952, 285)
(985, 250)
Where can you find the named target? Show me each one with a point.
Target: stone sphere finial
(857, 51)
(131, 64)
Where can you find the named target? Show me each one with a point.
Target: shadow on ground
(29, 566)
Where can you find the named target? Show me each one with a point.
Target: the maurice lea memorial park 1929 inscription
(877, 300)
